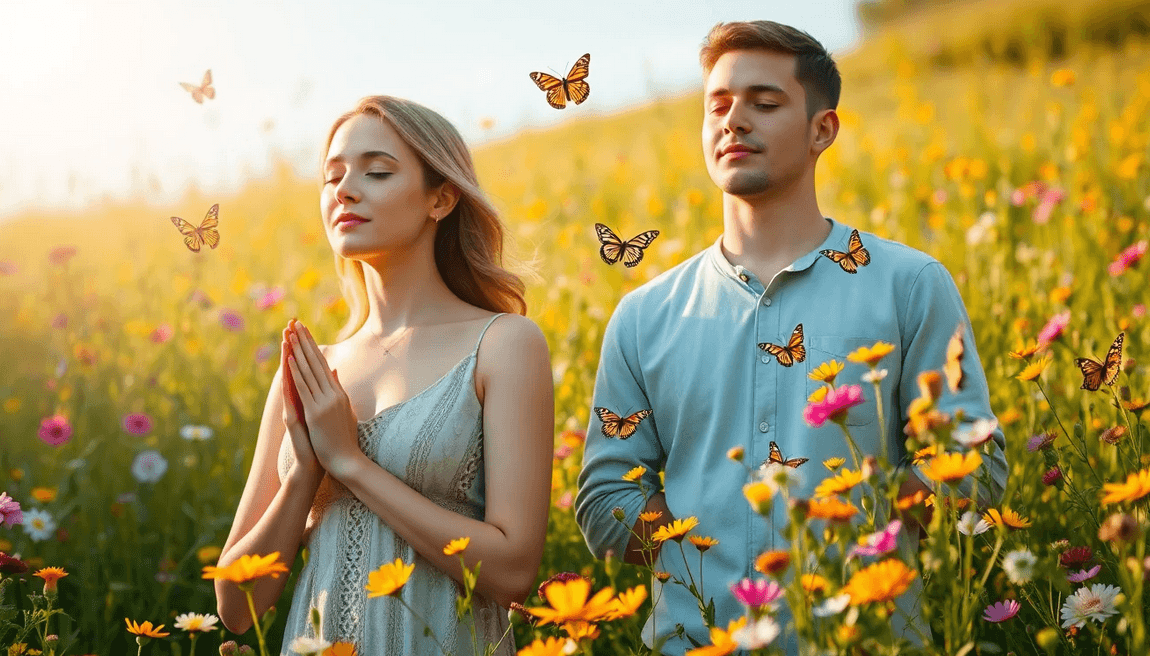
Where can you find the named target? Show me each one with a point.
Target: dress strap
(480, 340)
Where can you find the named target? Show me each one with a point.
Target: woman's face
(372, 174)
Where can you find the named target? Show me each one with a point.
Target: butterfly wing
(192, 235)
(197, 94)
(795, 344)
(553, 87)
(612, 249)
(855, 256)
(208, 227)
(206, 86)
(633, 248)
(953, 367)
(577, 89)
(629, 424)
(775, 454)
(1113, 362)
(1091, 373)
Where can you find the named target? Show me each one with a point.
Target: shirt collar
(837, 240)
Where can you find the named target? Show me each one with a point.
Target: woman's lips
(348, 224)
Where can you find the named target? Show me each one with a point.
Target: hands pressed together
(317, 411)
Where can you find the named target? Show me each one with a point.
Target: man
(686, 344)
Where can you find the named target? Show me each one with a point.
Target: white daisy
(149, 466)
(778, 476)
(309, 645)
(1089, 603)
(976, 434)
(873, 376)
(972, 524)
(38, 524)
(832, 606)
(195, 433)
(196, 622)
(757, 635)
(1019, 565)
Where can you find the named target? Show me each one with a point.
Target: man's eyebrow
(371, 154)
(754, 88)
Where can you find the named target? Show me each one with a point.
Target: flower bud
(229, 648)
(246, 650)
(1048, 639)
(612, 564)
(517, 614)
(1119, 527)
(618, 514)
(50, 640)
(736, 453)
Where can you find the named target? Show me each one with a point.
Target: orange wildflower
(248, 568)
(569, 603)
(50, 576)
(676, 530)
(880, 582)
(841, 484)
(456, 546)
(702, 542)
(1137, 485)
(145, 629)
(814, 583)
(1035, 369)
(388, 579)
(1007, 518)
(951, 467)
(870, 355)
(831, 509)
(722, 642)
(772, 562)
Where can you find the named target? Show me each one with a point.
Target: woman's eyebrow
(371, 154)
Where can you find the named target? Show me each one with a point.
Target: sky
(93, 107)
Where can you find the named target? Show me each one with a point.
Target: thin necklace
(394, 342)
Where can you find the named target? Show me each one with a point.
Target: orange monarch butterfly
(195, 237)
(777, 456)
(572, 87)
(953, 367)
(793, 352)
(205, 90)
(621, 427)
(1094, 373)
(855, 257)
(615, 249)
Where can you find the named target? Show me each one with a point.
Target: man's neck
(765, 235)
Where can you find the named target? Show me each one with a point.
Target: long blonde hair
(468, 241)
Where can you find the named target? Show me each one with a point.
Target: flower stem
(255, 620)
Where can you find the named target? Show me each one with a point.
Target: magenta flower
(1040, 442)
(1053, 328)
(10, 513)
(1084, 575)
(162, 333)
(263, 353)
(1128, 258)
(55, 430)
(271, 297)
(833, 406)
(756, 594)
(1001, 611)
(138, 424)
(1075, 556)
(231, 320)
(879, 543)
(1138, 311)
(8, 268)
(1052, 477)
(62, 254)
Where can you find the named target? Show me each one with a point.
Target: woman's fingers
(316, 362)
(304, 366)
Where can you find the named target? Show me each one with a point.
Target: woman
(439, 424)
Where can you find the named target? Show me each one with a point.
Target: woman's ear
(446, 197)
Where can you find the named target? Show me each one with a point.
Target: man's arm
(619, 388)
(934, 310)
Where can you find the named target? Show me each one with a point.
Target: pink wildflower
(1084, 575)
(756, 594)
(62, 254)
(1128, 257)
(263, 353)
(834, 405)
(231, 320)
(1047, 201)
(1138, 311)
(137, 424)
(1075, 556)
(271, 297)
(1040, 442)
(1053, 328)
(10, 513)
(1001, 611)
(162, 333)
(1052, 477)
(55, 430)
(879, 543)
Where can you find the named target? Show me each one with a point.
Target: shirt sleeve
(934, 310)
(619, 388)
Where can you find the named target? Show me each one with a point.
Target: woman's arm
(270, 517)
(513, 371)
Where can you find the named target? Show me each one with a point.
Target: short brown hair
(814, 68)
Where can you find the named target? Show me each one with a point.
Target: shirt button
(763, 426)
(767, 302)
(744, 277)
(766, 359)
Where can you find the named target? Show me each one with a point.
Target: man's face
(754, 105)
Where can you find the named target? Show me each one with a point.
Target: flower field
(136, 371)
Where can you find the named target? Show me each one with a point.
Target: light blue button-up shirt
(685, 346)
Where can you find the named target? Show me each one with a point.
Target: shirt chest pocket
(822, 349)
